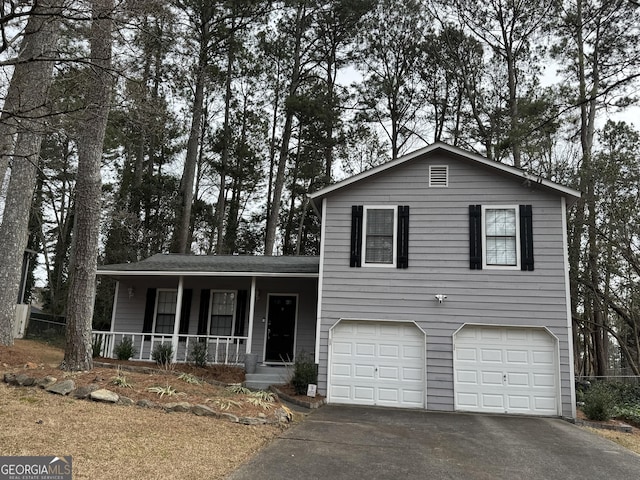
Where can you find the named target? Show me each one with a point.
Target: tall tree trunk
(226, 144)
(32, 74)
(82, 285)
(180, 239)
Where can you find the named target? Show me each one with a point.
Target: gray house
(442, 283)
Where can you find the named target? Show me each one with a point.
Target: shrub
(162, 354)
(199, 354)
(599, 402)
(125, 349)
(304, 373)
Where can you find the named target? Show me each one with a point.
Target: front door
(281, 324)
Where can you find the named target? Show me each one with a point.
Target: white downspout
(176, 325)
(252, 309)
(323, 223)
(115, 306)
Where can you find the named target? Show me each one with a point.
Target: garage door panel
(516, 368)
(342, 369)
(391, 351)
(491, 355)
(388, 364)
(342, 348)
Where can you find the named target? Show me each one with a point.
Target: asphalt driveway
(339, 442)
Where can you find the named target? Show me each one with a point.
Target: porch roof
(163, 264)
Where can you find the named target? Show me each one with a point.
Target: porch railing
(220, 349)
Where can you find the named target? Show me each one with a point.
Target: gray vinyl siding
(130, 311)
(439, 263)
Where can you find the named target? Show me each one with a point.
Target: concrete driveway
(339, 442)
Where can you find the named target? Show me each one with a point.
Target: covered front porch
(237, 306)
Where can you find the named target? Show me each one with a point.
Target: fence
(45, 326)
(630, 379)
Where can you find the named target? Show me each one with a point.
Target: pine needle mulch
(113, 441)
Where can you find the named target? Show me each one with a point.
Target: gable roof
(163, 264)
(570, 194)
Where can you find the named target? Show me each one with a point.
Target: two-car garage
(496, 369)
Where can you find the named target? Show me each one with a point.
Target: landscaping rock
(144, 403)
(25, 380)
(228, 416)
(202, 411)
(104, 395)
(251, 421)
(62, 388)
(177, 407)
(125, 401)
(283, 415)
(84, 392)
(47, 381)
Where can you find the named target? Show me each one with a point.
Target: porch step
(266, 376)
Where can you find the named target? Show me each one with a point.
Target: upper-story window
(501, 237)
(380, 236)
(501, 228)
(379, 239)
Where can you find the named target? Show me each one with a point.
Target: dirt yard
(113, 441)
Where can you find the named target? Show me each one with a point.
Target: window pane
(222, 309)
(166, 313)
(379, 240)
(500, 227)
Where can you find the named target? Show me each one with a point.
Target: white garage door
(505, 370)
(377, 363)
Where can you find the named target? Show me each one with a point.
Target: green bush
(599, 402)
(125, 349)
(305, 372)
(628, 413)
(198, 354)
(162, 354)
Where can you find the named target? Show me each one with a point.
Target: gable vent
(439, 176)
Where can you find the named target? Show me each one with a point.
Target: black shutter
(402, 258)
(526, 238)
(241, 313)
(185, 311)
(203, 315)
(475, 237)
(356, 236)
(149, 310)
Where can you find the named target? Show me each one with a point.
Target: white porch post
(176, 325)
(115, 307)
(252, 310)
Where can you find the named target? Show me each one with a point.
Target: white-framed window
(438, 176)
(501, 234)
(379, 239)
(165, 317)
(222, 314)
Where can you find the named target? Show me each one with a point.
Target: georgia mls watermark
(35, 468)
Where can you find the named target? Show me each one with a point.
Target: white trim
(567, 287)
(394, 234)
(112, 327)
(446, 176)
(176, 321)
(252, 311)
(323, 224)
(266, 326)
(212, 291)
(187, 273)
(455, 151)
(516, 210)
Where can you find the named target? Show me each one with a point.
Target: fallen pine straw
(108, 441)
